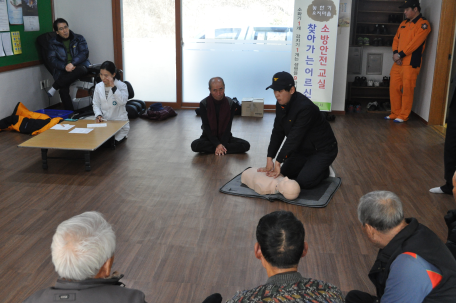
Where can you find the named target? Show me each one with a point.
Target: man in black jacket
(83, 253)
(68, 55)
(217, 112)
(413, 265)
(310, 147)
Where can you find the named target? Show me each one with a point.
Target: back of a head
(281, 238)
(380, 209)
(81, 245)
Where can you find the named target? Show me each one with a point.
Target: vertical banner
(313, 52)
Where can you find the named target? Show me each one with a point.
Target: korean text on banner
(313, 52)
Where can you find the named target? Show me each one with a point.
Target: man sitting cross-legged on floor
(217, 112)
(413, 265)
(280, 247)
(83, 253)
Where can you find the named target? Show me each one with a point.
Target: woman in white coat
(110, 98)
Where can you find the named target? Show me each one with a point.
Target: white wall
(422, 101)
(23, 85)
(93, 20)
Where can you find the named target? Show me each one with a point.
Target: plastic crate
(55, 113)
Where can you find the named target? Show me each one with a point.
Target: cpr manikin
(264, 185)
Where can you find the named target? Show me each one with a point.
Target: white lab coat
(113, 107)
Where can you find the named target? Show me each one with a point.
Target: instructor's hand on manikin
(271, 169)
(220, 150)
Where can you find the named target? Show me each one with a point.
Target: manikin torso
(264, 185)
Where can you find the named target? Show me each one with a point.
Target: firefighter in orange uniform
(408, 47)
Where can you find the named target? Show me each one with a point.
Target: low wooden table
(62, 139)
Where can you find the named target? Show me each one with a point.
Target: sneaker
(366, 41)
(363, 81)
(387, 118)
(397, 120)
(383, 29)
(360, 41)
(350, 108)
(358, 108)
(371, 106)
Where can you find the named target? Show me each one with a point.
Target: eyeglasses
(62, 28)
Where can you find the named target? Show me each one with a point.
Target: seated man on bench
(68, 55)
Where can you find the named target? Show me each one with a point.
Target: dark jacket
(419, 239)
(57, 55)
(306, 129)
(207, 133)
(88, 291)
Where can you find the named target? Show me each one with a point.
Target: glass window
(244, 42)
(149, 42)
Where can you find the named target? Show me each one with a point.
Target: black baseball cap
(410, 3)
(281, 80)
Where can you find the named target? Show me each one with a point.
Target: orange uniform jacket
(410, 39)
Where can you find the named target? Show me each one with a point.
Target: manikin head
(280, 242)
(83, 247)
(290, 189)
(382, 216)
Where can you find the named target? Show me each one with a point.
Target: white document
(31, 23)
(7, 47)
(2, 53)
(4, 22)
(97, 125)
(81, 130)
(62, 126)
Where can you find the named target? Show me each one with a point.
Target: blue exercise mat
(315, 197)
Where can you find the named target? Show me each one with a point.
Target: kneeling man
(310, 147)
(83, 254)
(217, 112)
(413, 265)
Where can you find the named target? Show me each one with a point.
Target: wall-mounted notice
(314, 49)
(17, 48)
(15, 12)
(4, 25)
(30, 15)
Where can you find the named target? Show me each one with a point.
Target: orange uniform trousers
(402, 88)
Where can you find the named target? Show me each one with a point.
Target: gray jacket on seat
(88, 291)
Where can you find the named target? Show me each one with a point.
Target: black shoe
(386, 106)
(363, 81)
(377, 29)
(384, 31)
(391, 18)
(357, 81)
(385, 81)
(371, 106)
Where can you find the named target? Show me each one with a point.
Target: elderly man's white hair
(81, 245)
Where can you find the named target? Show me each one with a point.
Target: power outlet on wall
(43, 84)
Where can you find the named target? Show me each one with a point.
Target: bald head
(217, 88)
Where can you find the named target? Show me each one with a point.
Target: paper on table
(6, 40)
(97, 125)
(62, 126)
(4, 22)
(81, 130)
